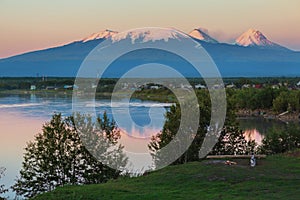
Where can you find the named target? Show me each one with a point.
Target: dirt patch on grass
(295, 154)
(236, 162)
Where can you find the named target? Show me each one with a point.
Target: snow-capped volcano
(149, 34)
(100, 35)
(232, 60)
(202, 34)
(254, 37)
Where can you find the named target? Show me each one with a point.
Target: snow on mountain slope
(202, 34)
(146, 35)
(254, 37)
(100, 35)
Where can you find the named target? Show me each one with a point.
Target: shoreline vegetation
(287, 116)
(268, 114)
(269, 98)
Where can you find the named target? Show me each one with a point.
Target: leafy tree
(265, 98)
(100, 140)
(251, 98)
(287, 101)
(232, 140)
(58, 157)
(2, 187)
(280, 104)
(242, 81)
(171, 126)
(244, 98)
(280, 141)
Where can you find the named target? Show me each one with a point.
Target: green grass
(276, 177)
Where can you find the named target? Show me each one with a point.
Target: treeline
(278, 100)
(40, 82)
(104, 85)
(274, 99)
(239, 82)
(10, 83)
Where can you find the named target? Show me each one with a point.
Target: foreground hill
(277, 177)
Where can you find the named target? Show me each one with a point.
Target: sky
(29, 25)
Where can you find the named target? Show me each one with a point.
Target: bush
(280, 141)
(287, 101)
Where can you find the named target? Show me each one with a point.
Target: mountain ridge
(232, 59)
(107, 33)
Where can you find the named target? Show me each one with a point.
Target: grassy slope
(277, 177)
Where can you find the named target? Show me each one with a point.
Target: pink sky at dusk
(30, 25)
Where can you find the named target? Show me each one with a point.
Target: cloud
(222, 36)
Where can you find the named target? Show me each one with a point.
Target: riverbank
(21, 92)
(269, 114)
(49, 92)
(165, 96)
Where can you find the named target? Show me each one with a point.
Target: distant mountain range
(252, 55)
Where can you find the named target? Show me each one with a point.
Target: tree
(265, 97)
(58, 157)
(232, 140)
(280, 141)
(2, 187)
(242, 81)
(171, 126)
(280, 104)
(287, 101)
(100, 140)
